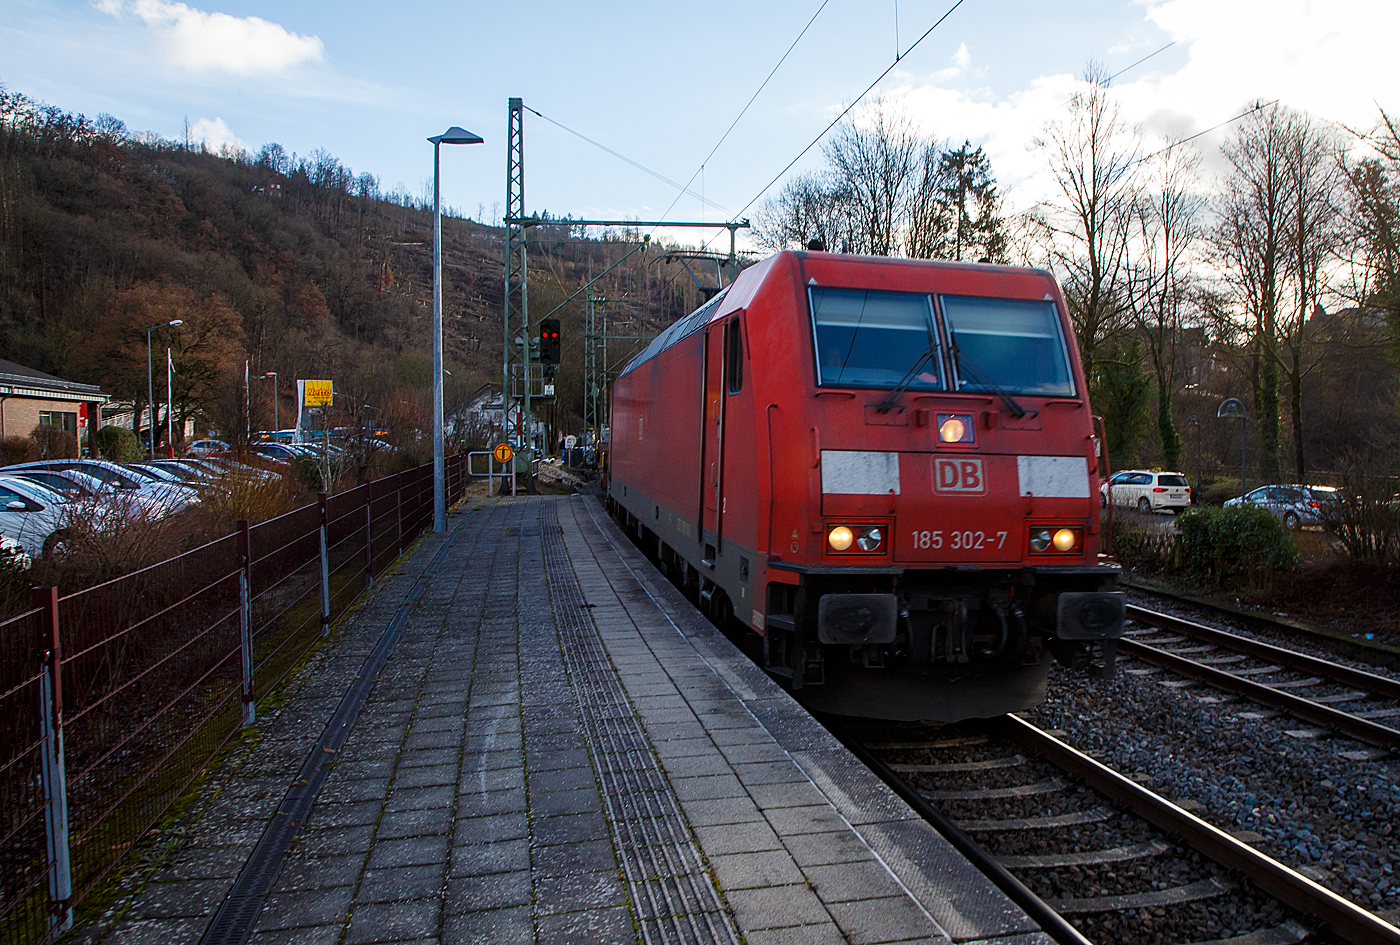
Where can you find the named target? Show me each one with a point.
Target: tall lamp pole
(1232, 409)
(150, 383)
(453, 135)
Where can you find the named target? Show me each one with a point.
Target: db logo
(962, 476)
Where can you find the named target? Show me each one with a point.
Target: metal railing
(115, 698)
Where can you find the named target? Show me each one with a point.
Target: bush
(1366, 518)
(1143, 550)
(118, 444)
(54, 442)
(18, 449)
(1238, 546)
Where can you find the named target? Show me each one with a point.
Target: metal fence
(115, 698)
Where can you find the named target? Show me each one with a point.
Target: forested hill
(297, 264)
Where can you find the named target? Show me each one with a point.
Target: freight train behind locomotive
(887, 469)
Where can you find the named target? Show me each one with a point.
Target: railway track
(1348, 647)
(1358, 704)
(1093, 855)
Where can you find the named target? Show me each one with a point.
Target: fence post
(369, 534)
(245, 618)
(51, 756)
(398, 509)
(322, 499)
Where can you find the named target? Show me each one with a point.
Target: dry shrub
(104, 539)
(54, 442)
(1366, 521)
(253, 498)
(18, 449)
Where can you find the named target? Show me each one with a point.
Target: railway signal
(549, 341)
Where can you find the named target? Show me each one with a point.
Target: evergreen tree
(968, 199)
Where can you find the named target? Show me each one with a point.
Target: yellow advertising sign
(318, 394)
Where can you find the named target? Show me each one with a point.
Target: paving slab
(558, 748)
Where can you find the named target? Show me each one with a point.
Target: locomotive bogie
(886, 469)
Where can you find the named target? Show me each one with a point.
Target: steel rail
(1051, 922)
(1305, 709)
(1352, 922)
(1371, 682)
(1360, 649)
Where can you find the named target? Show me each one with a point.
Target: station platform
(528, 735)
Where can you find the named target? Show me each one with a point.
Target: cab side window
(734, 348)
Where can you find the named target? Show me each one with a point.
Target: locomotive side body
(887, 469)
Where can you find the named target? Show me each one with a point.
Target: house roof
(16, 380)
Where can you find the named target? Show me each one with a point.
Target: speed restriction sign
(504, 453)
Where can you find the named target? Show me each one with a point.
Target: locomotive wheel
(1144, 506)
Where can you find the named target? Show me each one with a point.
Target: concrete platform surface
(558, 749)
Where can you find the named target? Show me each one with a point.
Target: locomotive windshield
(873, 339)
(1007, 345)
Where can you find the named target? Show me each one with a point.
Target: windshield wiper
(963, 361)
(888, 403)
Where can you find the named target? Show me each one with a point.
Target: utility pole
(517, 302)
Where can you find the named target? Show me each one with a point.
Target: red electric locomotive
(888, 469)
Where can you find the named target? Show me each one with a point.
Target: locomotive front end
(948, 545)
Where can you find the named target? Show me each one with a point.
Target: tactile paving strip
(672, 892)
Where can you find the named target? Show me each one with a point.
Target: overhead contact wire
(878, 79)
(743, 111)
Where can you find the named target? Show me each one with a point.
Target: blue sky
(661, 83)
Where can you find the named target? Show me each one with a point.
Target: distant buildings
(30, 399)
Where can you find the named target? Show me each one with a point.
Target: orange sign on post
(504, 453)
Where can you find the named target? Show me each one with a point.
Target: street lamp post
(453, 135)
(150, 383)
(1232, 409)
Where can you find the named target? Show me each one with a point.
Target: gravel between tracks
(1333, 818)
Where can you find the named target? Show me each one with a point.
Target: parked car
(33, 515)
(1294, 505)
(78, 486)
(203, 448)
(1147, 490)
(171, 496)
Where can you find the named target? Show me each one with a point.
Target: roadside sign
(504, 453)
(318, 394)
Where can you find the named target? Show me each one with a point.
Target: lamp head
(456, 135)
(174, 322)
(1230, 409)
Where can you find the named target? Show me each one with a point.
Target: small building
(30, 398)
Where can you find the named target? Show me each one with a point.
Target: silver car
(32, 514)
(1294, 505)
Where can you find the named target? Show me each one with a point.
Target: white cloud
(216, 135)
(217, 42)
(1332, 60)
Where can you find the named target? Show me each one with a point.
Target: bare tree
(1167, 229)
(1252, 241)
(874, 168)
(809, 207)
(1093, 157)
(1314, 178)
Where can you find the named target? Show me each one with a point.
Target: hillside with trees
(296, 264)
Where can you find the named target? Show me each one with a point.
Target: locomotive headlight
(1040, 539)
(870, 538)
(1065, 539)
(955, 428)
(840, 538)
